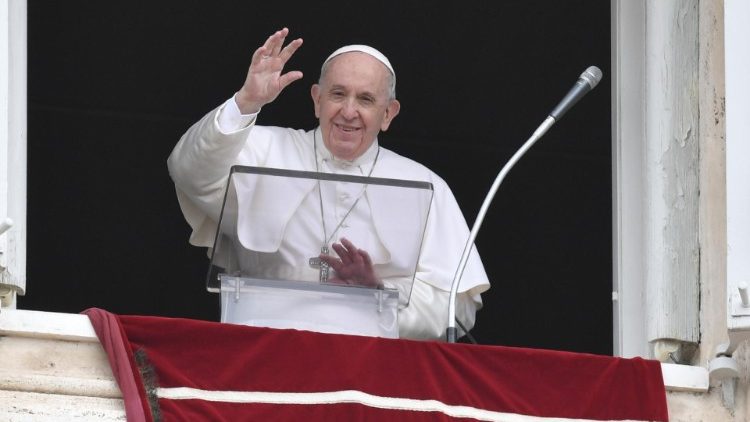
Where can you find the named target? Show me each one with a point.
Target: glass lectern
(276, 226)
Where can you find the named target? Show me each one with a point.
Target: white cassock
(199, 166)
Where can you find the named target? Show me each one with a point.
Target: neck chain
(316, 261)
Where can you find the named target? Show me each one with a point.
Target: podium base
(309, 306)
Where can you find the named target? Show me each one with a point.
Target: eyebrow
(367, 92)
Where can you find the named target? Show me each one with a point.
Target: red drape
(198, 370)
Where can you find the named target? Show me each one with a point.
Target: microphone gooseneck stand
(586, 82)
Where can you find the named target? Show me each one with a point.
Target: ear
(315, 94)
(390, 113)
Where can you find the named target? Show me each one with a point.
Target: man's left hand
(353, 266)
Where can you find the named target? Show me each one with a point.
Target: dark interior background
(112, 86)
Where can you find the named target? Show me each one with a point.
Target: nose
(349, 109)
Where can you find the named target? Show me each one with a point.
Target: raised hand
(264, 79)
(353, 266)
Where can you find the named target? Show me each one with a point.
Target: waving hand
(265, 79)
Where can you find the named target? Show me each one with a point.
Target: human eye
(367, 99)
(337, 94)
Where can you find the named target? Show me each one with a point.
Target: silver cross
(316, 262)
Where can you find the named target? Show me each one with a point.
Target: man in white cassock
(354, 100)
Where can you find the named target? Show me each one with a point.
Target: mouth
(346, 128)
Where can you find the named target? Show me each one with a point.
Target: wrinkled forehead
(361, 49)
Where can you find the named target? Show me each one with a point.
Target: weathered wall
(689, 407)
(50, 372)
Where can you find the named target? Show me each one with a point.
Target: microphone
(586, 82)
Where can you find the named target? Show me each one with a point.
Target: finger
(259, 54)
(365, 258)
(349, 245)
(290, 49)
(273, 42)
(351, 250)
(335, 263)
(279, 38)
(343, 253)
(288, 78)
(357, 258)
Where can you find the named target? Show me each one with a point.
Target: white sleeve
(426, 317)
(231, 119)
(199, 166)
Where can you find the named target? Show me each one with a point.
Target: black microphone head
(592, 76)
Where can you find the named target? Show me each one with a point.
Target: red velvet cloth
(225, 357)
(115, 342)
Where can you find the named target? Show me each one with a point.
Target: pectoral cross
(316, 262)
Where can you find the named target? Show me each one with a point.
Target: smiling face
(352, 103)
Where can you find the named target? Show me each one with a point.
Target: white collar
(324, 155)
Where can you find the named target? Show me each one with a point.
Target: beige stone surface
(51, 369)
(18, 406)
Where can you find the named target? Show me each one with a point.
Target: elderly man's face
(352, 104)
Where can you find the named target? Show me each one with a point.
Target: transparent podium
(317, 251)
